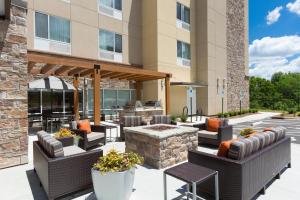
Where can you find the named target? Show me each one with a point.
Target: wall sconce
(162, 82)
(224, 81)
(218, 84)
(2, 9)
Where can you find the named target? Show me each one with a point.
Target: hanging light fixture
(2, 9)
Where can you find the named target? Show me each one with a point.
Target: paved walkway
(21, 183)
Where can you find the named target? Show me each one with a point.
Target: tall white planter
(113, 185)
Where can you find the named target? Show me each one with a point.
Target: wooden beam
(30, 66)
(128, 76)
(86, 72)
(62, 70)
(138, 87)
(97, 97)
(76, 98)
(107, 75)
(167, 94)
(117, 76)
(75, 71)
(138, 77)
(47, 68)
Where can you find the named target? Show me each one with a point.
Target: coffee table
(192, 174)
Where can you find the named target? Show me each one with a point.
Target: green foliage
(173, 119)
(298, 114)
(291, 110)
(117, 162)
(282, 92)
(183, 118)
(246, 131)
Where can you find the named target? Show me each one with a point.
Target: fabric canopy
(51, 83)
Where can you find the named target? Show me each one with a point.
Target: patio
(148, 183)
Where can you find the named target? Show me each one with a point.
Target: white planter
(113, 185)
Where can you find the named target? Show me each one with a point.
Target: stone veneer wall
(13, 88)
(237, 54)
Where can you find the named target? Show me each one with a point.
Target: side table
(192, 174)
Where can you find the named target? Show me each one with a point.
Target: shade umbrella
(51, 83)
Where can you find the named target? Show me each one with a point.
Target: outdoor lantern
(4, 9)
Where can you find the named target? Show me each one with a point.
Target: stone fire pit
(161, 145)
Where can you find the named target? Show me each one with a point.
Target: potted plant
(183, 118)
(65, 136)
(113, 175)
(76, 139)
(246, 131)
(174, 120)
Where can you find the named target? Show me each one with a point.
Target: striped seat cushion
(51, 146)
(240, 149)
(261, 138)
(132, 121)
(279, 132)
(161, 119)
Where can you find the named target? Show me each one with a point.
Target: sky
(274, 37)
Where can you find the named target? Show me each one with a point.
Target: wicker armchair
(161, 119)
(130, 121)
(88, 140)
(65, 173)
(224, 133)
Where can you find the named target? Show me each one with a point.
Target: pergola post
(167, 94)
(138, 88)
(97, 95)
(76, 97)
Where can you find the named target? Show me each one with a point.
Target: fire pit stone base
(165, 151)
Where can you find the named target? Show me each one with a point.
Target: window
(34, 101)
(183, 13)
(110, 41)
(110, 99)
(183, 50)
(51, 27)
(115, 4)
(123, 97)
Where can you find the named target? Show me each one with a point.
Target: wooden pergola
(63, 65)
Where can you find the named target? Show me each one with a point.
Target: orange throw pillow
(213, 124)
(84, 125)
(224, 148)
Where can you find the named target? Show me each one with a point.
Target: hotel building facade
(202, 43)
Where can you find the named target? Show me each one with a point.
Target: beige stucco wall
(211, 54)
(86, 22)
(150, 37)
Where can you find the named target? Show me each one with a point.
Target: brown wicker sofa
(246, 178)
(66, 172)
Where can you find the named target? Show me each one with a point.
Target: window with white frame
(52, 33)
(52, 28)
(183, 53)
(110, 44)
(111, 8)
(183, 16)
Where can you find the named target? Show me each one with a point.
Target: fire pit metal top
(160, 131)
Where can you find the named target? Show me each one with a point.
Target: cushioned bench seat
(95, 136)
(208, 134)
(72, 150)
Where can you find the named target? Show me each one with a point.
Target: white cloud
(274, 54)
(294, 7)
(274, 15)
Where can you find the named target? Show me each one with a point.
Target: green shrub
(183, 118)
(117, 162)
(226, 115)
(298, 114)
(220, 115)
(173, 119)
(230, 114)
(246, 131)
(291, 110)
